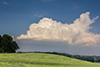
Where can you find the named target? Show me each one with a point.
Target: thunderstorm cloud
(76, 33)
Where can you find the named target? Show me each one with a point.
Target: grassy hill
(41, 60)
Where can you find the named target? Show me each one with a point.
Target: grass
(41, 60)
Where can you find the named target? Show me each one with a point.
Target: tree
(7, 45)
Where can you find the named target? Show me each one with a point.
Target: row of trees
(7, 45)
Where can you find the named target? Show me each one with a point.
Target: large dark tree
(7, 45)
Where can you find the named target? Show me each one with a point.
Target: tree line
(7, 45)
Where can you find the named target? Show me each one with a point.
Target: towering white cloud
(76, 33)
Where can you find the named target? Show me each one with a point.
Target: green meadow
(41, 60)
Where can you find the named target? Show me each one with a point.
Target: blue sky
(17, 15)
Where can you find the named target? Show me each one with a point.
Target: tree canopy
(7, 45)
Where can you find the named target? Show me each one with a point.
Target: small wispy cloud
(4, 2)
(47, 0)
(38, 15)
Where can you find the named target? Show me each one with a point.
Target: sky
(68, 26)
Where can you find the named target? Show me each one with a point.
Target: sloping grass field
(41, 60)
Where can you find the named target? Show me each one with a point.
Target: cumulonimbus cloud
(75, 33)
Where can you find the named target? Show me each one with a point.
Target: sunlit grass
(41, 59)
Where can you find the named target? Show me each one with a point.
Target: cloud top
(76, 33)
